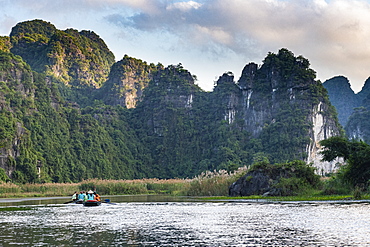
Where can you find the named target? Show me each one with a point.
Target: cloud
(184, 6)
(330, 33)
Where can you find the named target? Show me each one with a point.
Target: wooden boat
(91, 203)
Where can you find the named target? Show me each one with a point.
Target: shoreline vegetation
(209, 185)
(206, 184)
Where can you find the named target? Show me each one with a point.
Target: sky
(211, 37)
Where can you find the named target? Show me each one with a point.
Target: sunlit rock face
(79, 59)
(323, 127)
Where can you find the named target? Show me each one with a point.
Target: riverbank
(290, 198)
(210, 185)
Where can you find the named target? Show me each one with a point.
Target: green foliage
(292, 178)
(41, 27)
(334, 147)
(288, 131)
(7, 128)
(291, 186)
(289, 67)
(3, 176)
(356, 171)
(69, 144)
(357, 193)
(5, 44)
(336, 185)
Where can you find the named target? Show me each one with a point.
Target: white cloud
(332, 34)
(184, 6)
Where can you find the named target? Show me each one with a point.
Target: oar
(108, 201)
(67, 202)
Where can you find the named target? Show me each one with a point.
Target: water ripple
(189, 224)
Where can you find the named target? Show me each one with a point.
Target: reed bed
(214, 183)
(135, 187)
(114, 187)
(50, 189)
(6, 188)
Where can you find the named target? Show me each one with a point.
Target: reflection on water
(189, 224)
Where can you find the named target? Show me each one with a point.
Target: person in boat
(74, 196)
(81, 196)
(90, 195)
(97, 196)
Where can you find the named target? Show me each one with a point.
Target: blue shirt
(90, 197)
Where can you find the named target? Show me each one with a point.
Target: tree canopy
(355, 153)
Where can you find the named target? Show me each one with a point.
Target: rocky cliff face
(170, 88)
(323, 127)
(126, 82)
(282, 104)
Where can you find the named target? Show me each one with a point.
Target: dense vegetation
(69, 113)
(356, 154)
(290, 178)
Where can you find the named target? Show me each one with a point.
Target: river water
(143, 221)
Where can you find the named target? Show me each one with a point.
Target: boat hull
(91, 203)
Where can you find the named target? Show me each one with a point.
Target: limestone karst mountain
(81, 59)
(69, 112)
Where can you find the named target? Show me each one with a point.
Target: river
(169, 221)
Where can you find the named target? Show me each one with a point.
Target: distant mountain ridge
(70, 112)
(342, 97)
(353, 109)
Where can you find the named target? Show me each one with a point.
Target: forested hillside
(69, 112)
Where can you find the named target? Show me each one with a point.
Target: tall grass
(134, 187)
(214, 183)
(50, 189)
(6, 188)
(114, 187)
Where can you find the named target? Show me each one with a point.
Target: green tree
(356, 154)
